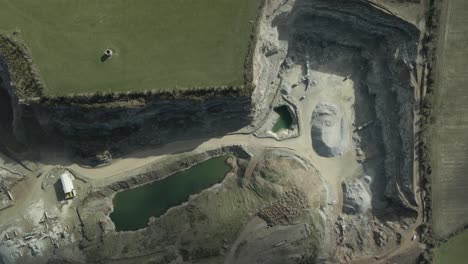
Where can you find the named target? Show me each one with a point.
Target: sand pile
(330, 131)
(356, 197)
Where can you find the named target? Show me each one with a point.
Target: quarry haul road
(301, 146)
(142, 158)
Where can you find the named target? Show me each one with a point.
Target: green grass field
(158, 44)
(449, 139)
(455, 251)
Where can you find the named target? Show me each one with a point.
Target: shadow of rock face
(119, 127)
(330, 131)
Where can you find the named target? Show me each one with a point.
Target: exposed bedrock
(92, 125)
(330, 131)
(92, 130)
(388, 46)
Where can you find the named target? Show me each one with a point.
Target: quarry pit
(318, 153)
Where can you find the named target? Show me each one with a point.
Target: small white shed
(67, 184)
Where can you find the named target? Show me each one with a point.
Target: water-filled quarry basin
(134, 207)
(284, 121)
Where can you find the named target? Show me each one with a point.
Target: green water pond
(134, 207)
(284, 121)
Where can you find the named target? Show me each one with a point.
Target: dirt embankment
(205, 228)
(102, 197)
(388, 48)
(375, 53)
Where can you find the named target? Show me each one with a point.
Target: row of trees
(108, 97)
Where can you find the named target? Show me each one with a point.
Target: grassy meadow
(159, 44)
(454, 251)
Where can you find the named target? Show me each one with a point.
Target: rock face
(119, 127)
(117, 123)
(388, 44)
(330, 131)
(356, 197)
(269, 53)
(154, 122)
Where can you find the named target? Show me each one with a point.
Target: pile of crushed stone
(330, 132)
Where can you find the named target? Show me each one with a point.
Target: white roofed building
(67, 183)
